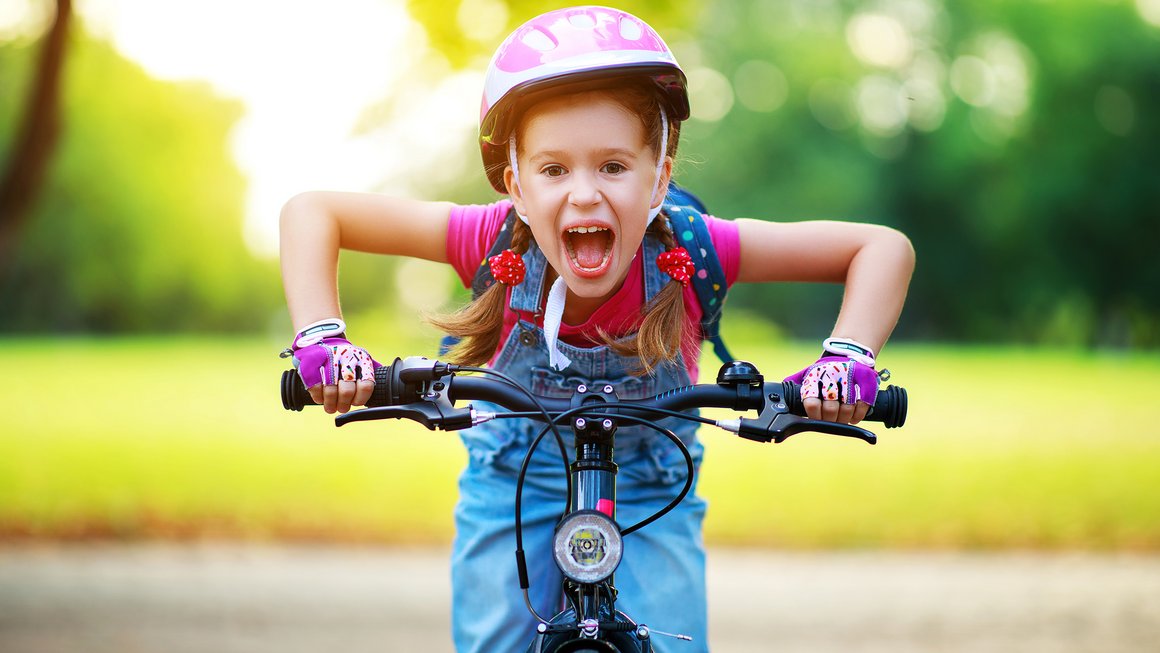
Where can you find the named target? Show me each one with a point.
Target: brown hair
(661, 333)
(479, 323)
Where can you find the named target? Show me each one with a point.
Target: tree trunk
(36, 136)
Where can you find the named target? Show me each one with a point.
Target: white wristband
(851, 349)
(314, 333)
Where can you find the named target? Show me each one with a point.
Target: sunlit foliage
(139, 225)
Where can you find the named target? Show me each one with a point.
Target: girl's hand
(839, 388)
(337, 374)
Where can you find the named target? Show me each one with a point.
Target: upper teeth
(586, 230)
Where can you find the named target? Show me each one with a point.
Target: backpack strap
(686, 216)
(503, 240)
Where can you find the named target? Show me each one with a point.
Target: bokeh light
(23, 19)
(879, 40)
(880, 105)
(760, 85)
(710, 94)
(1149, 11)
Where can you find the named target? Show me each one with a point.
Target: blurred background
(147, 147)
(1013, 142)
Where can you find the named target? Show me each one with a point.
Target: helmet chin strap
(654, 211)
(554, 308)
(516, 173)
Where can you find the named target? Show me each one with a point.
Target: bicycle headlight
(588, 546)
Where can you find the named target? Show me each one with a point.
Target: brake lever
(432, 414)
(786, 425)
(776, 423)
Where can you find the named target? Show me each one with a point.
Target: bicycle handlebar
(425, 390)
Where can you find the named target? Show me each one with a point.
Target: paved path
(253, 599)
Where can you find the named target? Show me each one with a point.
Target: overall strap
(653, 277)
(686, 215)
(525, 297)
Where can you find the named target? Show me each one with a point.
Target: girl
(579, 125)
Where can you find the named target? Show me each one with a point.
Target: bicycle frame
(591, 612)
(588, 537)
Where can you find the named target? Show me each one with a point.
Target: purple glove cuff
(837, 378)
(312, 334)
(332, 360)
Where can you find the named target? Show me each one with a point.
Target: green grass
(186, 438)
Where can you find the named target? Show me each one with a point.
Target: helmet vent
(630, 29)
(582, 21)
(537, 39)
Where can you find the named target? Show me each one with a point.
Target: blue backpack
(686, 216)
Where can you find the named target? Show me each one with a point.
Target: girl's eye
(553, 170)
(614, 168)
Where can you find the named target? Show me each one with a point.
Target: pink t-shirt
(473, 228)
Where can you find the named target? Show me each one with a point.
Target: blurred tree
(1039, 227)
(23, 174)
(138, 226)
(1014, 143)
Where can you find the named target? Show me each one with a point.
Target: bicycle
(588, 544)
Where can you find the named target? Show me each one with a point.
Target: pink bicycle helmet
(577, 46)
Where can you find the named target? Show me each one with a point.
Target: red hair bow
(507, 267)
(677, 264)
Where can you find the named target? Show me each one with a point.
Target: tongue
(589, 248)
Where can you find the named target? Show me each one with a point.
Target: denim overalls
(661, 578)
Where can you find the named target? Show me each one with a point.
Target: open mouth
(589, 248)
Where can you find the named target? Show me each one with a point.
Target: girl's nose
(584, 191)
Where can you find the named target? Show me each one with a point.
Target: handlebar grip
(296, 397)
(384, 387)
(889, 406)
(294, 394)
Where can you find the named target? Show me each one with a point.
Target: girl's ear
(513, 189)
(662, 186)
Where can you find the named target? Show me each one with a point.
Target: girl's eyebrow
(557, 155)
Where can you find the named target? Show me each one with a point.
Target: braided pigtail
(478, 324)
(662, 332)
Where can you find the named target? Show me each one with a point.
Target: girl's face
(587, 180)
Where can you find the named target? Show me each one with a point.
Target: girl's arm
(874, 263)
(316, 225)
